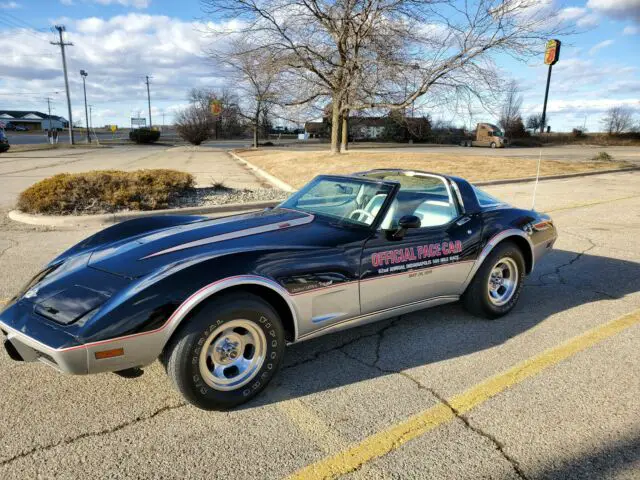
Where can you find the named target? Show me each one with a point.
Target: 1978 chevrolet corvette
(217, 300)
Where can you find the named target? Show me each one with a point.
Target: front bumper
(22, 347)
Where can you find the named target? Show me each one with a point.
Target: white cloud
(630, 30)
(582, 17)
(67, 2)
(590, 20)
(600, 46)
(10, 5)
(620, 9)
(117, 53)
(572, 13)
(126, 3)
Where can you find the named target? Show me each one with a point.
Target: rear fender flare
(493, 243)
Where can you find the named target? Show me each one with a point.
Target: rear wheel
(227, 352)
(497, 285)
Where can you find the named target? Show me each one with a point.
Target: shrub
(195, 124)
(602, 157)
(144, 135)
(105, 191)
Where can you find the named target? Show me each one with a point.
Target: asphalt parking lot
(550, 391)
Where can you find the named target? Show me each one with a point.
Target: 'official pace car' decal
(410, 258)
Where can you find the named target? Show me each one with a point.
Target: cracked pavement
(578, 419)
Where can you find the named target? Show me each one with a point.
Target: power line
(62, 44)
(19, 20)
(23, 29)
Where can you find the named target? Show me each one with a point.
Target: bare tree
(534, 121)
(510, 112)
(255, 72)
(361, 54)
(618, 120)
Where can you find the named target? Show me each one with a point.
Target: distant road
(37, 138)
(80, 138)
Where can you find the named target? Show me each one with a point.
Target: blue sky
(120, 41)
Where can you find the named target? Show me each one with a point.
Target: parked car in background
(4, 142)
(21, 128)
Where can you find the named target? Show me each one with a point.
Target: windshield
(497, 133)
(352, 201)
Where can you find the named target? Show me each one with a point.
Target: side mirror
(409, 221)
(406, 222)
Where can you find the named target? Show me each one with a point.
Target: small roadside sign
(216, 106)
(114, 128)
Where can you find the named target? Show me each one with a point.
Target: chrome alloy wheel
(232, 355)
(503, 281)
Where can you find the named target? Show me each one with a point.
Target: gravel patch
(203, 197)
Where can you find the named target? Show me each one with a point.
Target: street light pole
(84, 75)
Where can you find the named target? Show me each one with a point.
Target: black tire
(476, 298)
(182, 355)
(493, 145)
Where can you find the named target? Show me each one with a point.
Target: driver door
(428, 262)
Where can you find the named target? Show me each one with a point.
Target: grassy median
(297, 168)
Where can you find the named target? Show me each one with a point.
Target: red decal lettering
(420, 251)
(375, 260)
(445, 248)
(458, 246)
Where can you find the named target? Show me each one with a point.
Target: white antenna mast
(535, 186)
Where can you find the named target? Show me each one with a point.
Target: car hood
(137, 256)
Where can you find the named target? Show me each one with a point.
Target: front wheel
(496, 286)
(227, 352)
(493, 145)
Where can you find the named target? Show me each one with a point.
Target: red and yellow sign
(216, 106)
(552, 52)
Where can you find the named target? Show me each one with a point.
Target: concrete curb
(73, 221)
(276, 182)
(554, 177)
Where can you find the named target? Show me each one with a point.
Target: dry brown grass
(297, 168)
(105, 191)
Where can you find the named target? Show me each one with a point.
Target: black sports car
(217, 299)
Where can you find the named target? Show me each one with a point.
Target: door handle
(463, 220)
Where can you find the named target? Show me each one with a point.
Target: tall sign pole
(551, 57)
(149, 100)
(62, 44)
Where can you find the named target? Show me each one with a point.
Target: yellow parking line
(590, 204)
(391, 439)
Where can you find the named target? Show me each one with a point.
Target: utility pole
(149, 100)
(62, 44)
(84, 74)
(91, 117)
(49, 108)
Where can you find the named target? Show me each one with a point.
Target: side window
(427, 197)
(484, 199)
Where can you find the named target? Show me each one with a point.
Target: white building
(32, 120)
